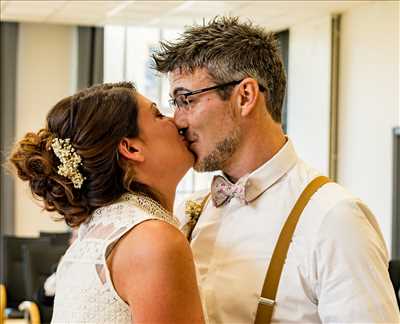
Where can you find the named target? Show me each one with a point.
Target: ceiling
(273, 14)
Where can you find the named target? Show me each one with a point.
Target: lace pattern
(151, 206)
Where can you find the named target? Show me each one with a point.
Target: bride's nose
(180, 120)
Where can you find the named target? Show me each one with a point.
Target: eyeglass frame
(173, 103)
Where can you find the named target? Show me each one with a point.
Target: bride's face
(166, 151)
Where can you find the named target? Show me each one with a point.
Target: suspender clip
(266, 301)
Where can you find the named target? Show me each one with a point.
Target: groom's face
(209, 123)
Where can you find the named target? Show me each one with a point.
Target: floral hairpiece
(70, 161)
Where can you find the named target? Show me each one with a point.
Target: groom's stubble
(222, 151)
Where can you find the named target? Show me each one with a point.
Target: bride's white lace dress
(84, 291)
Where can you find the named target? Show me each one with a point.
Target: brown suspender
(271, 283)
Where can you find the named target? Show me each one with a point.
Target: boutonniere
(193, 211)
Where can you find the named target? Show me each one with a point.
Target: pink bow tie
(223, 191)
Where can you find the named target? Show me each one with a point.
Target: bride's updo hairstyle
(94, 120)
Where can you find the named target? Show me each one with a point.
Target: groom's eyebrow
(179, 89)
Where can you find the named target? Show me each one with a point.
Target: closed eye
(157, 112)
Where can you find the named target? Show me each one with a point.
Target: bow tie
(222, 190)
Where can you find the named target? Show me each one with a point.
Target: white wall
(46, 55)
(368, 100)
(369, 105)
(114, 48)
(309, 90)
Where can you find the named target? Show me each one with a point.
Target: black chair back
(38, 265)
(394, 273)
(12, 268)
(61, 238)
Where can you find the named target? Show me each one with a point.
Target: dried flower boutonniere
(193, 211)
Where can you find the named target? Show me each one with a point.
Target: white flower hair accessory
(70, 161)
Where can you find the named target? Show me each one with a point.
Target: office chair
(394, 273)
(12, 279)
(38, 265)
(61, 238)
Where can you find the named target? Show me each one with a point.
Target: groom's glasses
(182, 102)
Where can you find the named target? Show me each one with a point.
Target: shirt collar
(270, 172)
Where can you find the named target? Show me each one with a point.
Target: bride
(109, 162)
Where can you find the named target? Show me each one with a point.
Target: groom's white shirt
(336, 269)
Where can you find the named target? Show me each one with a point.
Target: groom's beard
(223, 151)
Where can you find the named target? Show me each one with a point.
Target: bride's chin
(191, 158)
(189, 163)
(188, 166)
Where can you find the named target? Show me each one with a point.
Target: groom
(227, 85)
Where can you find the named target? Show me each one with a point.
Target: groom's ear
(247, 96)
(131, 149)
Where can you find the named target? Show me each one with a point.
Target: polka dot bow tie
(222, 190)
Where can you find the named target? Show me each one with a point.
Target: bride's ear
(131, 149)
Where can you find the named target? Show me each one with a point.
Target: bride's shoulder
(153, 236)
(153, 264)
(149, 245)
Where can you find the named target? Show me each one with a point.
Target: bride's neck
(164, 195)
(163, 188)
(166, 198)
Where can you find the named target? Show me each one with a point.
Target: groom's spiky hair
(229, 50)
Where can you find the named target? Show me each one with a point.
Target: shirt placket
(225, 212)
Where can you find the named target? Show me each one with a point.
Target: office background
(342, 105)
